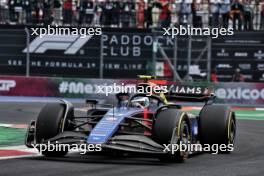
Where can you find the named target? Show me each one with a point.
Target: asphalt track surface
(247, 159)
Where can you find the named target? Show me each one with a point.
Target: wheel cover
(185, 138)
(232, 132)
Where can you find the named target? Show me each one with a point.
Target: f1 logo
(6, 85)
(71, 44)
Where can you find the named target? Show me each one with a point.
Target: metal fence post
(209, 58)
(27, 54)
(189, 56)
(154, 54)
(175, 56)
(101, 57)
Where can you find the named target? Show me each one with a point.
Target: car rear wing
(189, 93)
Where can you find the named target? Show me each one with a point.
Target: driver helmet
(140, 102)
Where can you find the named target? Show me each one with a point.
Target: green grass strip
(11, 136)
(242, 114)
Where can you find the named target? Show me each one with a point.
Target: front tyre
(217, 125)
(50, 123)
(172, 127)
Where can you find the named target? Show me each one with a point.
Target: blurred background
(132, 43)
(135, 13)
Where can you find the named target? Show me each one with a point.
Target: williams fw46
(140, 124)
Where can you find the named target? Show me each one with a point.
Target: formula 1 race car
(144, 124)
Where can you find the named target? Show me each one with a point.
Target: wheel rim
(232, 134)
(185, 138)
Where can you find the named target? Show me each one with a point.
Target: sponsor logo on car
(187, 90)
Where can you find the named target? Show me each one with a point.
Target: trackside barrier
(227, 93)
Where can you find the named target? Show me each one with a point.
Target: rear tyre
(217, 125)
(172, 127)
(50, 123)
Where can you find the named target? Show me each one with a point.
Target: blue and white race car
(138, 124)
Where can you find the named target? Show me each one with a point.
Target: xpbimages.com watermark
(193, 31)
(58, 30)
(81, 148)
(109, 89)
(131, 89)
(171, 148)
(74, 87)
(183, 147)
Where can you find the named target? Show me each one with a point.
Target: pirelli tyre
(49, 123)
(217, 125)
(172, 126)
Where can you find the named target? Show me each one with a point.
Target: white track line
(250, 115)
(20, 156)
(18, 126)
